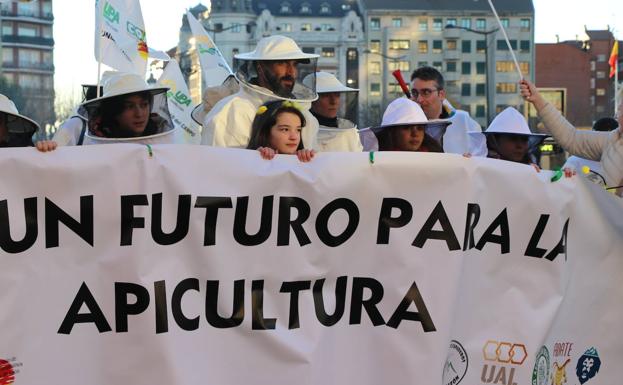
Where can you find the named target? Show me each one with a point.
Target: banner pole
(508, 43)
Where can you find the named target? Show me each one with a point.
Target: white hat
(406, 112)
(326, 82)
(276, 47)
(16, 123)
(510, 121)
(122, 83)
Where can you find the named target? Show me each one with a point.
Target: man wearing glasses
(427, 89)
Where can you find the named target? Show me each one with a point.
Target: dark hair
(111, 109)
(89, 92)
(605, 124)
(429, 73)
(260, 129)
(387, 140)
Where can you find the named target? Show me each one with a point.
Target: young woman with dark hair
(277, 129)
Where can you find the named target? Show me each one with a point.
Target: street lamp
(488, 94)
(385, 71)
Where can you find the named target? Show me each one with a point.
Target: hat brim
(198, 114)
(97, 101)
(431, 123)
(335, 89)
(302, 57)
(17, 125)
(534, 135)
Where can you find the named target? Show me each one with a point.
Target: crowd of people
(278, 103)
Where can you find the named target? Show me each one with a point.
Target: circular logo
(540, 373)
(456, 364)
(7, 373)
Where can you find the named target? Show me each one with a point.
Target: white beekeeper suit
(464, 135)
(343, 135)
(228, 124)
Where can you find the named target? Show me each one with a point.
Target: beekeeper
(273, 71)
(334, 134)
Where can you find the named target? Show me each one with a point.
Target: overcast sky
(74, 25)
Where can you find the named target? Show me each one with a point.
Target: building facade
(581, 69)
(363, 41)
(27, 49)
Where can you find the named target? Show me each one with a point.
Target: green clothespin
(371, 154)
(557, 175)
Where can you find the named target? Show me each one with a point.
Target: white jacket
(228, 124)
(606, 147)
(344, 138)
(68, 134)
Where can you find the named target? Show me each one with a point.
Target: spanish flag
(614, 57)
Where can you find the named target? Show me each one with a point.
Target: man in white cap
(271, 72)
(464, 135)
(334, 134)
(15, 130)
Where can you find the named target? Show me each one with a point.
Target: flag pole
(508, 43)
(616, 86)
(98, 25)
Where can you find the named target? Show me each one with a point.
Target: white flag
(214, 68)
(120, 40)
(180, 104)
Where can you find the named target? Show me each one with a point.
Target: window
(504, 66)
(437, 24)
(480, 111)
(236, 27)
(524, 24)
(505, 23)
(600, 58)
(481, 24)
(26, 30)
(466, 46)
(375, 23)
(46, 32)
(423, 25)
(480, 89)
(285, 7)
(394, 88)
(399, 44)
(286, 27)
(7, 28)
(451, 66)
(326, 27)
(501, 45)
(524, 45)
(375, 67)
(306, 27)
(600, 109)
(305, 8)
(311, 50)
(451, 21)
(47, 82)
(600, 92)
(601, 74)
(375, 45)
(466, 89)
(592, 83)
(421, 64)
(29, 81)
(328, 52)
(500, 107)
(28, 56)
(7, 56)
(375, 89)
(397, 22)
(506, 88)
(451, 45)
(402, 65)
(466, 68)
(422, 46)
(437, 46)
(524, 66)
(325, 8)
(466, 23)
(481, 68)
(481, 46)
(438, 66)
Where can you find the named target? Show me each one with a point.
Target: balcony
(48, 18)
(28, 40)
(28, 67)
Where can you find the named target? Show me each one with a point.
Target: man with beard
(271, 72)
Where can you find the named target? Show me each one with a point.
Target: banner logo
(540, 373)
(176, 96)
(135, 31)
(561, 356)
(502, 358)
(456, 364)
(588, 365)
(110, 13)
(9, 368)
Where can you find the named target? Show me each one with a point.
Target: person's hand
(531, 94)
(267, 153)
(467, 155)
(305, 155)
(569, 172)
(46, 145)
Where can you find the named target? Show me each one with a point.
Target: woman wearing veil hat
(15, 130)
(273, 71)
(405, 128)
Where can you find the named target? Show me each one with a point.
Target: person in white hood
(15, 130)
(334, 134)
(273, 71)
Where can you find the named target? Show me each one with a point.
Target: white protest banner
(214, 68)
(118, 266)
(180, 103)
(120, 39)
